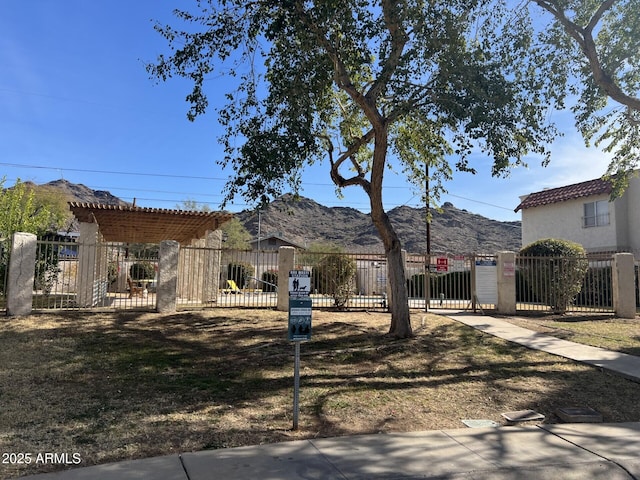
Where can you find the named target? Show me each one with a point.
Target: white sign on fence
(487, 281)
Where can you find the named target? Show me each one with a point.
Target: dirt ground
(121, 385)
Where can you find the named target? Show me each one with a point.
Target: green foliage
(590, 55)
(235, 236)
(270, 281)
(22, 211)
(437, 77)
(333, 272)
(239, 273)
(350, 82)
(597, 288)
(47, 266)
(554, 270)
(142, 271)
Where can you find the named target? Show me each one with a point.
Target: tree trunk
(400, 321)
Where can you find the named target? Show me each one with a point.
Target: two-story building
(583, 213)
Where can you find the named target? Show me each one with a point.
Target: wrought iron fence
(209, 277)
(5, 248)
(346, 280)
(564, 284)
(124, 276)
(113, 275)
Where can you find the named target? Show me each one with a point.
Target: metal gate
(210, 277)
(459, 282)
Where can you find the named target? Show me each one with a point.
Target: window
(596, 214)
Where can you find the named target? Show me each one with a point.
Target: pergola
(117, 223)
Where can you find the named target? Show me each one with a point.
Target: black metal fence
(564, 284)
(125, 277)
(115, 276)
(5, 248)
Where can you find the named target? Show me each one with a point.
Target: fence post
(22, 266)
(285, 263)
(166, 290)
(87, 264)
(506, 283)
(623, 284)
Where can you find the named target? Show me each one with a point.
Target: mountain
(80, 193)
(304, 221)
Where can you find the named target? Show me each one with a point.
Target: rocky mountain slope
(304, 221)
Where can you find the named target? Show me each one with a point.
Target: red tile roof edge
(597, 186)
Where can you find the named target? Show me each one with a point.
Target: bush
(142, 271)
(554, 270)
(269, 281)
(239, 273)
(334, 275)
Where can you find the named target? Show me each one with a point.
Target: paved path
(558, 452)
(621, 363)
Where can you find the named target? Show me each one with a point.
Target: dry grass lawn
(124, 385)
(604, 331)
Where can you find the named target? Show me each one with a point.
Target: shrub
(142, 271)
(554, 270)
(269, 280)
(333, 274)
(239, 273)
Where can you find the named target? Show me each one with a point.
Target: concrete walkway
(623, 364)
(562, 451)
(567, 451)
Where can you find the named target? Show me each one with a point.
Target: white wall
(564, 220)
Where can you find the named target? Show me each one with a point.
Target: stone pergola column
(166, 290)
(22, 262)
(88, 264)
(211, 267)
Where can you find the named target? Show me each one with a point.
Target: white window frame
(600, 215)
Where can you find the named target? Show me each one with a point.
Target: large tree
(590, 52)
(361, 85)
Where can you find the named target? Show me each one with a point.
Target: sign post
(299, 328)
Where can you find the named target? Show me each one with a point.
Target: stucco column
(211, 280)
(623, 284)
(166, 290)
(22, 267)
(87, 264)
(285, 264)
(506, 283)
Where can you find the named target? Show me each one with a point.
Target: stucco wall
(632, 196)
(564, 220)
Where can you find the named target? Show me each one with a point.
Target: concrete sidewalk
(623, 364)
(562, 451)
(569, 451)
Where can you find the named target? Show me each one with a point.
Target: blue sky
(76, 103)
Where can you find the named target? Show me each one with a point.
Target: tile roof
(597, 186)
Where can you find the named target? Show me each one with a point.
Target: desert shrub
(554, 270)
